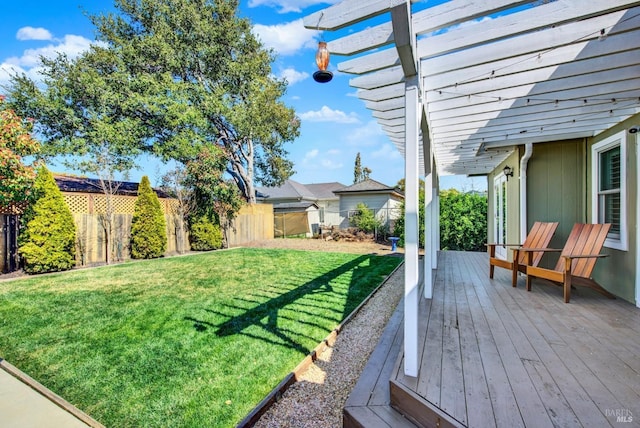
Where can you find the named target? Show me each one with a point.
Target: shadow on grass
(265, 315)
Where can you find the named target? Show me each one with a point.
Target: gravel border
(318, 398)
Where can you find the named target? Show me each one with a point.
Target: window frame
(619, 139)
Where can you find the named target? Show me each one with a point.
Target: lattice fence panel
(77, 203)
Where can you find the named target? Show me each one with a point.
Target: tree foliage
(360, 173)
(204, 235)
(47, 242)
(168, 77)
(148, 226)
(216, 198)
(463, 221)
(16, 178)
(365, 219)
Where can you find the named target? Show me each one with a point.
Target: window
(609, 188)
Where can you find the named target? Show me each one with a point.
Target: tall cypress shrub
(47, 242)
(148, 226)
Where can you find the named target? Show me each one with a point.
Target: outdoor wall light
(634, 129)
(322, 59)
(508, 172)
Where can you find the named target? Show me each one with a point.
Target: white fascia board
(372, 62)
(453, 13)
(391, 122)
(368, 39)
(508, 26)
(347, 12)
(378, 79)
(384, 93)
(562, 55)
(529, 44)
(390, 104)
(389, 114)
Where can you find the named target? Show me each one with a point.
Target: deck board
(494, 355)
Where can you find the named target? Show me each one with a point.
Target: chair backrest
(584, 240)
(539, 237)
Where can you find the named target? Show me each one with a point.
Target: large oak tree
(168, 77)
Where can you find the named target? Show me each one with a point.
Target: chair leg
(567, 280)
(491, 269)
(515, 267)
(528, 282)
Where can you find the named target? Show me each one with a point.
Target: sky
(335, 125)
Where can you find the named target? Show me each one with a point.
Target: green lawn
(186, 341)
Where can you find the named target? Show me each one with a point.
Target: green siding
(556, 183)
(617, 273)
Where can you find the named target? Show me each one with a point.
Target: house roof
(488, 76)
(293, 190)
(325, 190)
(290, 189)
(68, 183)
(302, 206)
(369, 186)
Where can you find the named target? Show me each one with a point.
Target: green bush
(148, 226)
(364, 219)
(463, 221)
(204, 235)
(398, 227)
(47, 242)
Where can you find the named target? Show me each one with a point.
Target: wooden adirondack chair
(576, 261)
(539, 237)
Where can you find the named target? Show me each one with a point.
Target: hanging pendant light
(322, 59)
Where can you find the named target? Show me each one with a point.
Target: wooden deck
(498, 356)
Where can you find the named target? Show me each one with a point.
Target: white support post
(435, 207)
(429, 233)
(411, 171)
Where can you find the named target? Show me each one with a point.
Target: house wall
(332, 215)
(559, 189)
(556, 183)
(621, 265)
(384, 206)
(513, 202)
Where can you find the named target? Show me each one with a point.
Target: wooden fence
(253, 222)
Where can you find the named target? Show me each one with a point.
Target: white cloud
(71, 45)
(387, 151)
(293, 76)
(29, 62)
(326, 114)
(287, 38)
(311, 154)
(285, 6)
(31, 33)
(366, 135)
(331, 164)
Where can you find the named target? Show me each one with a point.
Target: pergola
(459, 85)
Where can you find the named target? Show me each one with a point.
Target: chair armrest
(586, 256)
(540, 249)
(503, 245)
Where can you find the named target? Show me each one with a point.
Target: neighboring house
(317, 201)
(586, 180)
(385, 201)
